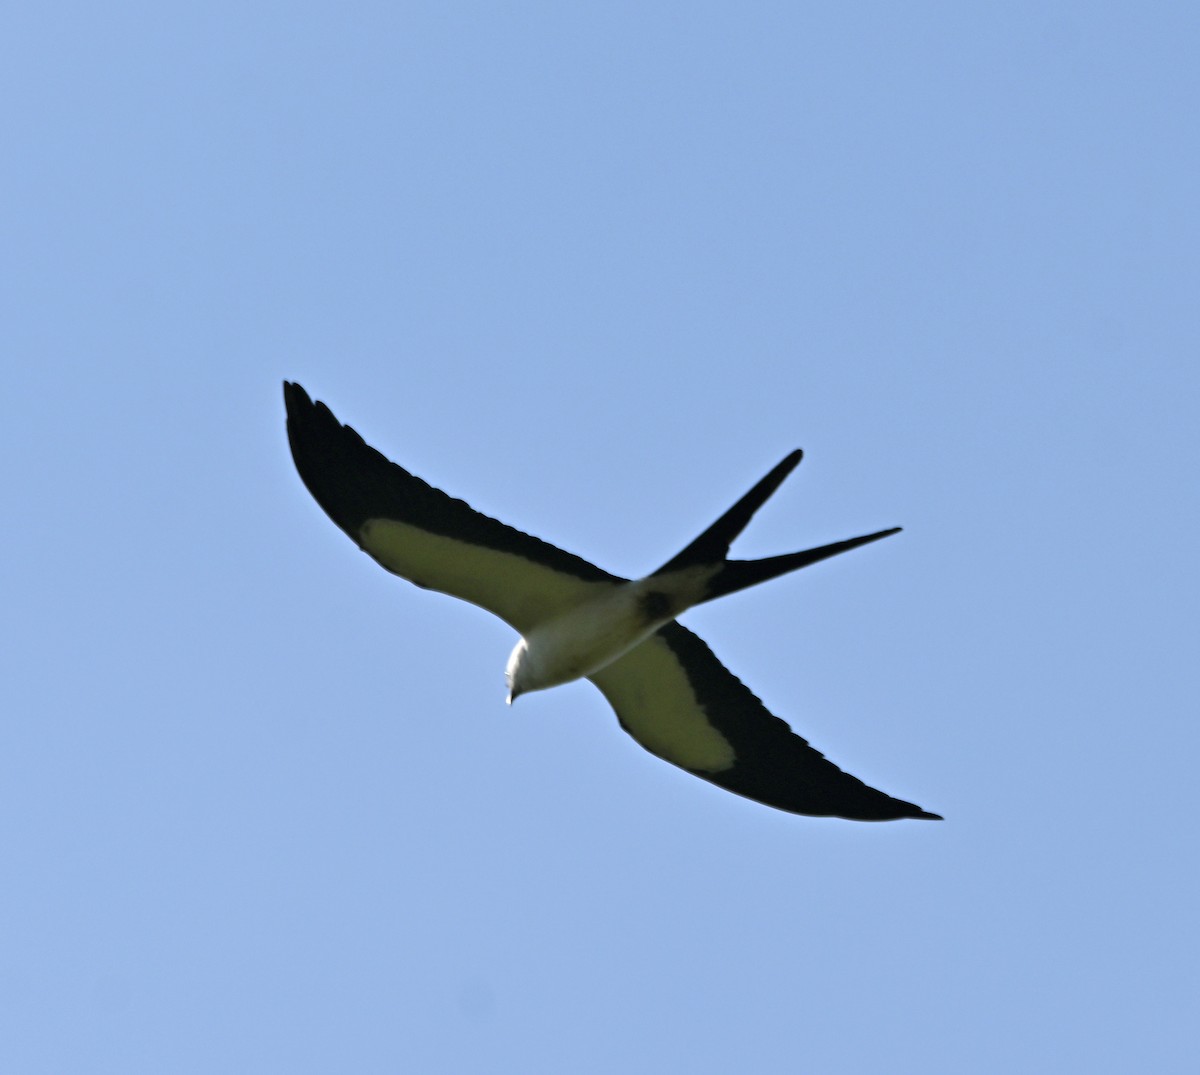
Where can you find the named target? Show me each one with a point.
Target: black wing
(425, 536)
(683, 705)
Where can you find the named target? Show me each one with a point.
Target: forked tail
(712, 547)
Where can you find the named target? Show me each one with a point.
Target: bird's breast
(584, 639)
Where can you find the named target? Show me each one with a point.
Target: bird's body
(584, 639)
(669, 691)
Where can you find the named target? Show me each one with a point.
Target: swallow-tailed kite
(669, 691)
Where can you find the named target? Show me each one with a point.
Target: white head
(516, 671)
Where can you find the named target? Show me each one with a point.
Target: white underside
(594, 633)
(521, 592)
(651, 693)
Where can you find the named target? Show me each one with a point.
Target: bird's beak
(512, 695)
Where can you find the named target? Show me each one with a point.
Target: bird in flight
(670, 692)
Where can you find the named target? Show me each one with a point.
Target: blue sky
(595, 268)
